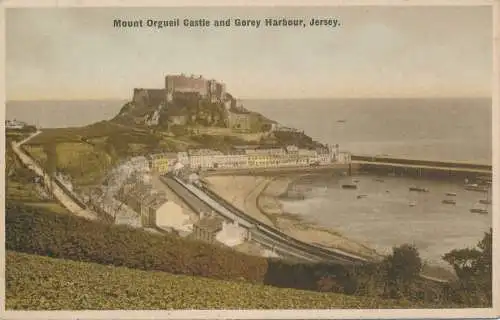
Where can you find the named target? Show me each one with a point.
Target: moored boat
(361, 196)
(475, 187)
(479, 210)
(412, 203)
(451, 194)
(349, 186)
(485, 201)
(449, 201)
(419, 189)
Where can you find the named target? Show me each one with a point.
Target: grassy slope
(20, 188)
(42, 283)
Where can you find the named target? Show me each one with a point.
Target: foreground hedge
(40, 232)
(41, 283)
(69, 237)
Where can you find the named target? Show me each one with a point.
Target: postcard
(250, 161)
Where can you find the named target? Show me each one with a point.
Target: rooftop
(211, 223)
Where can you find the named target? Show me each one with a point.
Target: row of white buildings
(205, 159)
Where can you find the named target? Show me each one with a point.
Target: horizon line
(266, 98)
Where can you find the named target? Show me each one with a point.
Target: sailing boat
(488, 198)
(483, 210)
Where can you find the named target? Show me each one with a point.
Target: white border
(261, 314)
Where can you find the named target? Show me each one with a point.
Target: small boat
(479, 210)
(449, 201)
(412, 203)
(378, 180)
(475, 187)
(487, 200)
(361, 196)
(419, 189)
(355, 180)
(349, 186)
(451, 194)
(341, 121)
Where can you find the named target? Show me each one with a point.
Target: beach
(258, 196)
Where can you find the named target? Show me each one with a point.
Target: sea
(454, 129)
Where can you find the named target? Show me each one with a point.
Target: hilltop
(188, 113)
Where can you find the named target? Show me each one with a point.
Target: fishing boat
(361, 196)
(479, 210)
(419, 189)
(488, 198)
(349, 186)
(451, 194)
(449, 201)
(475, 187)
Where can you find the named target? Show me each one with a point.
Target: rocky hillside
(186, 109)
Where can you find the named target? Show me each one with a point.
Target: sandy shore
(258, 197)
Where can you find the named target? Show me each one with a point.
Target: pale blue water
(385, 219)
(437, 129)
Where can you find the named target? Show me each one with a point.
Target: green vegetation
(42, 283)
(20, 185)
(474, 270)
(68, 237)
(75, 238)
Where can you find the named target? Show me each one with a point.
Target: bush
(75, 238)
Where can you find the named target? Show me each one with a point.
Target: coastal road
(261, 238)
(260, 233)
(57, 191)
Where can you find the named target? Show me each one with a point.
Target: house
(139, 163)
(161, 162)
(150, 205)
(207, 227)
(14, 124)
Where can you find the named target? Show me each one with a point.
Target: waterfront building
(203, 158)
(139, 163)
(183, 158)
(161, 162)
(207, 227)
(231, 160)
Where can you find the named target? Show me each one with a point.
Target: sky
(70, 53)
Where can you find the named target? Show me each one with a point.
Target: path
(58, 193)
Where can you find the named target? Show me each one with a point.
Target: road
(58, 193)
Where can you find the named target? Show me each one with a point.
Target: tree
(401, 269)
(473, 268)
